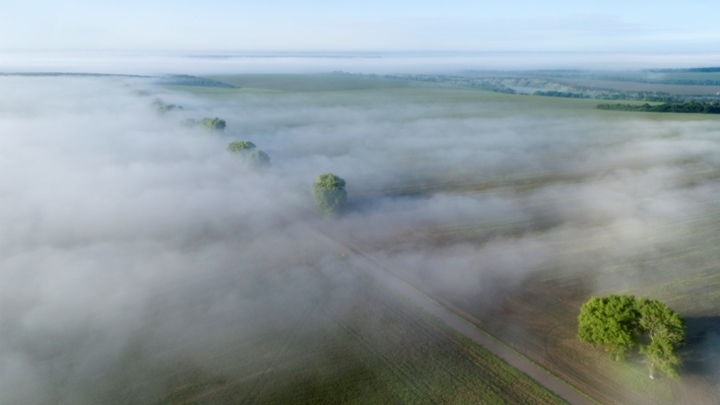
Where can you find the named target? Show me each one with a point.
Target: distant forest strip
(187, 80)
(670, 76)
(564, 94)
(690, 107)
(692, 70)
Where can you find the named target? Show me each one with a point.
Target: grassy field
(543, 310)
(309, 83)
(375, 350)
(536, 315)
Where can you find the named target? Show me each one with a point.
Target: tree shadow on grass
(701, 353)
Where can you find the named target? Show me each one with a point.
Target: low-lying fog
(124, 235)
(233, 62)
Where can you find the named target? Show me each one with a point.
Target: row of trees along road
(328, 191)
(620, 322)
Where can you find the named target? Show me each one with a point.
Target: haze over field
(140, 262)
(204, 62)
(132, 247)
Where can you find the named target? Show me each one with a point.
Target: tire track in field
(449, 318)
(277, 358)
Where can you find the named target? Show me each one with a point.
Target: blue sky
(519, 25)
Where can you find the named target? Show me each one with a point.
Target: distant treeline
(689, 70)
(692, 107)
(643, 77)
(565, 94)
(187, 80)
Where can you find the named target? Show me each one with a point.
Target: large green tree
(619, 322)
(609, 321)
(329, 193)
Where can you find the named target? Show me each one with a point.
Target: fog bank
(132, 247)
(381, 62)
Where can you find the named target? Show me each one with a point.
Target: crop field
(366, 348)
(304, 328)
(539, 318)
(599, 202)
(308, 82)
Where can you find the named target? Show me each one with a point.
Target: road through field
(455, 322)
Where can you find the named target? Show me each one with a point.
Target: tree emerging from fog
(241, 146)
(161, 107)
(619, 322)
(249, 153)
(213, 124)
(329, 193)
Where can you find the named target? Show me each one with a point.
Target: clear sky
(387, 25)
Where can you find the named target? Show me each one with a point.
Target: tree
(665, 331)
(258, 159)
(240, 146)
(329, 193)
(248, 152)
(621, 321)
(213, 124)
(609, 321)
(162, 108)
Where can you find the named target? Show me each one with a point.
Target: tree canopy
(254, 158)
(619, 322)
(258, 159)
(329, 193)
(213, 124)
(161, 107)
(609, 321)
(240, 146)
(691, 107)
(665, 330)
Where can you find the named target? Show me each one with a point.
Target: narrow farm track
(454, 321)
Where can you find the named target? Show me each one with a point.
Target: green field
(309, 82)
(369, 348)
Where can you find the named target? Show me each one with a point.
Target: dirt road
(456, 322)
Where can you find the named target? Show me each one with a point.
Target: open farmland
(145, 264)
(221, 284)
(552, 203)
(377, 350)
(678, 89)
